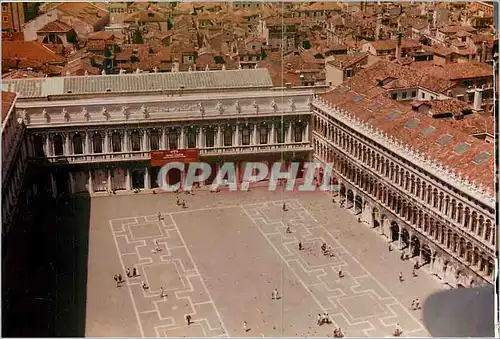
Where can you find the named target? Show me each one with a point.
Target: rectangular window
(404, 95)
(228, 136)
(154, 141)
(394, 96)
(413, 94)
(263, 136)
(298, 133)
(209, 138)
(191, 142)
(280, 135)
(173, 140)
(423, 95)
(245, 136)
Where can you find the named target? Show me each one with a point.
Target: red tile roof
(55, 27)
(7, 101)
(398, 127)
(23, 54)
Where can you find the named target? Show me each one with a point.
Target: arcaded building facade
(427, 189)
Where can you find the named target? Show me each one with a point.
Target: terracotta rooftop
(55, 27)
(346, 60)
(84, 11)
(8, 99)
(22, 54)
(395, 76)
(466, 155)
(466, 70)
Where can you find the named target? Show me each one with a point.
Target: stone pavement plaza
(222, 257)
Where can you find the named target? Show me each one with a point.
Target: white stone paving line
(128, 286)
(364, 268)
(201, 278)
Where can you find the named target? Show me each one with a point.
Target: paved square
(221, 259)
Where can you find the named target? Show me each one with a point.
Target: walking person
(245, 326)
(159, 216)
(284, 207)
(128, 273)
(134, 272)
(273, 295)
(115, 277)
(413, 304)
(276, 294)
(417, 304)
(144, 286)
(320, 319)
(401, 277)
(120, 278)
(188, 319)
(288, 229)
(300, 246)
(162, 293)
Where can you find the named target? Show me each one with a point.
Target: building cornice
(429, 165)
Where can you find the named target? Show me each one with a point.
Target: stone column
(219, 136)
(182, 136)
(53, 185)
(200, 138)
(106, 141)
(237, 136)
(87, 143)
(47, 146)
(71, 183)
(305, 135)
(400, 241)
(147, 179)
(144, 141)
(163, 139)
(254, 135)
(272, 138)
(288, 137)
(91, 186)
(67, 150)
(128, 185)
(125, 141)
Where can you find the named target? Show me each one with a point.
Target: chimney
(341, 65)
(483, 51)
(398, 45)
(378, 26)
(478, 99)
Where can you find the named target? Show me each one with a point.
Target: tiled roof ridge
(431, 165)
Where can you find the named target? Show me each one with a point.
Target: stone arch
(415, 246)
(58, 144)
(426, 254)
(358, 204)
(405, 238)
(376, 221)
(77, 141)
(350, 197)
(394, 230)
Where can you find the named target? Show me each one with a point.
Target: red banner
(160, 158)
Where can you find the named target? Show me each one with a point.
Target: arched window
(297, 132)
(97, 142)
(38, 145)
(77, 144)
(228, 136)
(263, 135)
(191, 138)
(154, 140)
(245, 136)
(210, 137)
(173, 140)
(116, 142)
(135, 140)
(58, 145)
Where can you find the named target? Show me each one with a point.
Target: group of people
(324, 319)
(415, 304)
(397, 331)
(338, 333)
(327, 250)
(182, 202)
(118, 278)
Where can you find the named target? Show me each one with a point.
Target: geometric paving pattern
(357, 302)
(171, 268)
